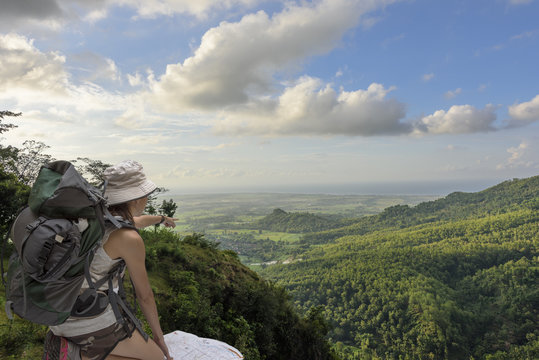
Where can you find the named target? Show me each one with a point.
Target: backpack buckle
(40, 220)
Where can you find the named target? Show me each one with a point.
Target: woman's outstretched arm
(143, 221)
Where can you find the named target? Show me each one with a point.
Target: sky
(358, 96)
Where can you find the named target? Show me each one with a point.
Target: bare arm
(143, 221)
(128, 245)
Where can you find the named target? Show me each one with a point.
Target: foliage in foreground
(207, 292)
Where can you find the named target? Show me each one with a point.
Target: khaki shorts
(98, 344)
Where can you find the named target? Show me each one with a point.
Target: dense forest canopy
(507, 196)
(282, 221)
(455, 278)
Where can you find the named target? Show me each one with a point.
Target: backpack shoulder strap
(110, 218)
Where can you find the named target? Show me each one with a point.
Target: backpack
(55, 239)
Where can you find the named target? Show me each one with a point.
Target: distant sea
(439, 188)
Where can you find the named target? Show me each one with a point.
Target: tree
(14, 195)
(92, 170)
(13, 192)
(168, 208)
(7, 127)
(8, 154)
(30, 159)
(25, 162)
(151, 207)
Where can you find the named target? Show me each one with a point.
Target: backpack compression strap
(118, 300)
(92, 302)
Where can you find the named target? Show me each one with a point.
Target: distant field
(225, 218)
(259, 235)
(244, 207)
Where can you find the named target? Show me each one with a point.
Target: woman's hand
(170, 222)
(163, 346)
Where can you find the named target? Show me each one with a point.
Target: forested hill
(502, 198)
(282, 221)
(456, 278)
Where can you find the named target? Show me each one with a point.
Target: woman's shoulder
(125, 234)
(123, 241)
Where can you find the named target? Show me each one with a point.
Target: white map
(182, 345)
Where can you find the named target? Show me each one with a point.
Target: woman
(102, 336)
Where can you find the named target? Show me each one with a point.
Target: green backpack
(55, 239)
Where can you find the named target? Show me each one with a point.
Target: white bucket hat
(126, 182)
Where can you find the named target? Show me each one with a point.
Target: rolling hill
(454, 278)
(293, 222)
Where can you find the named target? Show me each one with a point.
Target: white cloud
(37, 83)
(198, 8)
(229, 175)
(54, 14)
(524, 113)
(204, 173)
(96, 68)
(459, 119)
(49, 14)
(387, 42)
(238, 61)
(517, 153)
(134, 80)
(24, 67)
(144, 139)
(519, 157)
(525, 35)
(520, 2)
(133, 118)
(428, 77)
(310, 108)
(23, 12)
(452, 93)
(235, 68)
(96, 15)
(519, 37)
(108, 70)
(190, 150)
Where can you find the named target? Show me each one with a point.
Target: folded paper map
(186, 346)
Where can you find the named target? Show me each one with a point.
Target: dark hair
(123, 211)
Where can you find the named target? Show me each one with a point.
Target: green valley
(455, 278)
(448, 278)
(266, 227)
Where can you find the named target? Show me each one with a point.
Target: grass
(259, 234)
